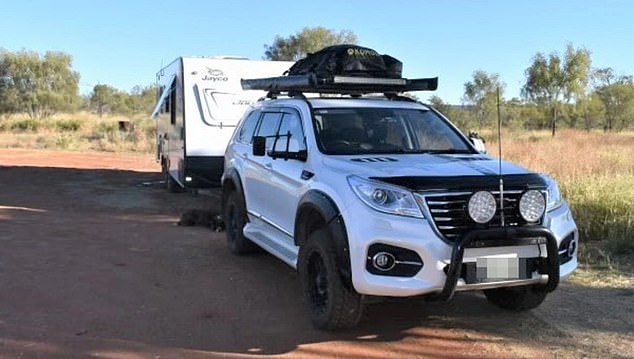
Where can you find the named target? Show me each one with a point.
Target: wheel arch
(231, 182)
(317, 210)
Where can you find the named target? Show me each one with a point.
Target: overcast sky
(123, 43)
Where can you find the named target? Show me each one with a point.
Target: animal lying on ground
(201, 217)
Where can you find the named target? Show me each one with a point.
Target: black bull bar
(506, 236)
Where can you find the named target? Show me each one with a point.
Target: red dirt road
(93, 265)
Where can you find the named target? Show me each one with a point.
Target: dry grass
(596, 173)
(78, 132)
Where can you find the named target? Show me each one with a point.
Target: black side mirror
(259, 146)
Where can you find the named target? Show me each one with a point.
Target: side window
(291, 125)
(268, 127)
(172, 102)
(248, 127)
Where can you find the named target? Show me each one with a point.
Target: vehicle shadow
(94, 263)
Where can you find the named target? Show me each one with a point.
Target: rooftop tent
(343, 69)
(347, 60)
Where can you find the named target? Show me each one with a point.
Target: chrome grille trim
(446, 212)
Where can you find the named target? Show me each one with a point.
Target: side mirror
(288, 150)
(293, 145)
(259, 146)
(478, 142)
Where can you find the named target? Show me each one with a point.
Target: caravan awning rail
(339, 84)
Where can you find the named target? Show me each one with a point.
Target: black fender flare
(318, 202)
(231, 182)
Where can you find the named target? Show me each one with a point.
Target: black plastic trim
(205, 171)
(407, 262)
(467, 183)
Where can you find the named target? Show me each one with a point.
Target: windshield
(354, 131)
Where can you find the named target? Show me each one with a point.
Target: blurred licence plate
(496, 269)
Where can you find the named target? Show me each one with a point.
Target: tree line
(559, 89)
(41, 85)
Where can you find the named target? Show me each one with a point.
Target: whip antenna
(500, 159)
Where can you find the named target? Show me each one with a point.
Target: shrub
(67, 125)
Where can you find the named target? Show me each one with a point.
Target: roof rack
(347, 85)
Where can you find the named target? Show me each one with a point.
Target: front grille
(449, 212)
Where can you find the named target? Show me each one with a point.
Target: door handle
(268, 165)
(245, 155)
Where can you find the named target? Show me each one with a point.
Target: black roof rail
(346, 85)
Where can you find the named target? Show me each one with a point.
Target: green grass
(603, 208)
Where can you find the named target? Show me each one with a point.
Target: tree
(308, 40)
(102, 98)
(439, 104)
(551, 82)
(39, 85)
(617, 95)
(481, 93)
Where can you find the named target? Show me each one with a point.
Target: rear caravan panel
(170, 119)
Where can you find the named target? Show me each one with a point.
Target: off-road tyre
(516, 298)
(331, 304)
(235, 218)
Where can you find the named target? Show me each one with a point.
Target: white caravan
(200, 104)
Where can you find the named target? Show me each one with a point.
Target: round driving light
(379, 196)
(383, 261)
(482, 207)
(532, 205)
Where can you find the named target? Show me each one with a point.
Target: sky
(124, 43)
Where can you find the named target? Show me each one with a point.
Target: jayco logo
(215, 75)
(362, 52)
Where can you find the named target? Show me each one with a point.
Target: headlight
(482, 207)
(532, 205)
(554, 199)
(385, 198)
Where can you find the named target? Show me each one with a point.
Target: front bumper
(442, 271)
(512, 236)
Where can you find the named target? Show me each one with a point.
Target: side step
(274, 242)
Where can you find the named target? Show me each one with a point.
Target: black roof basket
(347, 85)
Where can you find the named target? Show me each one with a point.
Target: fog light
(383, 261)
(188, 179)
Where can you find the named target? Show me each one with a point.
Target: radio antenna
(500, 159)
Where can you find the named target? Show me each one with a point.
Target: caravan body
(200, 104)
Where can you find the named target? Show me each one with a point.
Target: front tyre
(332, 305)
(516, 298)
(235, 220)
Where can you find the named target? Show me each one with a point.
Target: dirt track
(93, 265)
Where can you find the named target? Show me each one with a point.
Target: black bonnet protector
(466, 183)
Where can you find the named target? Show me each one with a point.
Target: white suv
(383, 196)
